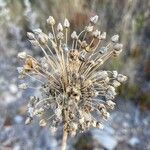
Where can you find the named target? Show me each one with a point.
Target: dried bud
(94, 19)
(66, 23)
(59, 27)
(50, 21)
(115, 38)
(74, 35)
(22, 55)
(30, 35)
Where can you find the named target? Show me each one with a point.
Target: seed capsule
(66, 23)
(50, 20)
(94, 19)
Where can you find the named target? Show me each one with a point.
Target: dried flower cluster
(74, 90)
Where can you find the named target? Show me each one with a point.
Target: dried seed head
(74, 35)
(71, 79)
(22, 55)
(59, 27)
(94, 19)
(50, 21)
(66, 23)
(115, 38)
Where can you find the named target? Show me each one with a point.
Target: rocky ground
(127, 129)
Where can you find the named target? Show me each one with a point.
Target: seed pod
(118, 46)
(50, 21)
(23, 86)
(20, 70)
(43, 39)
(102, 36)
(94, 19)
(110, 104)
(59, 27)
(28, 120)
(84, 44)
(115, 83)
(74, 35)
(37, 31)
(66, 23)
(121, 78)
(96, 33)
(42, 123)
(115, 38)
(60, 36)
(30, 35)
(22, 55)
(50, 35)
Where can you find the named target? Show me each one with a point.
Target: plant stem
(64, 140)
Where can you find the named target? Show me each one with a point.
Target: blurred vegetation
(128, 18)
